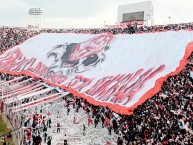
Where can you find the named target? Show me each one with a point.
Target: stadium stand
(166, 118)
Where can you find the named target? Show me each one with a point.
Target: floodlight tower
(35, 18)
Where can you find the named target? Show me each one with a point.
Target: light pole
(170, 20)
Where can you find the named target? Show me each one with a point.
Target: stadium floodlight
(35, 11)
(35, 18)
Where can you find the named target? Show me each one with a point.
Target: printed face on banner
(75, 58)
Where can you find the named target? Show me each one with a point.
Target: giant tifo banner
(119, 72)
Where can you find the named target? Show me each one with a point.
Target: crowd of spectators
(166, 118)
(10, 37)
(130, 29)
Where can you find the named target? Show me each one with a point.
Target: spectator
(49, 140)
(58, 127)
(89, 121)
(45, 137)
(119, 141)
(65, 140)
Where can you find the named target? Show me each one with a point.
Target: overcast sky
(88, 13)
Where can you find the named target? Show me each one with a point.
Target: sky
(88, 13)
